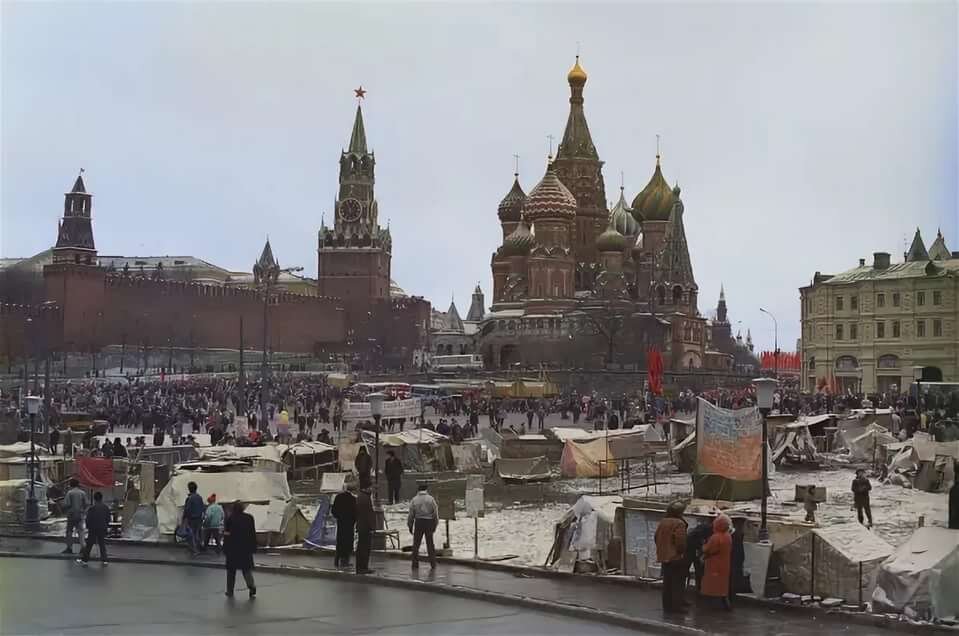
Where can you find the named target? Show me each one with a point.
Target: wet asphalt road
(60, 597)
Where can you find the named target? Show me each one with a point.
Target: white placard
(391, 409)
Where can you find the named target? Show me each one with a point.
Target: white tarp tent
(922, 576)
(277, 519)
(867, 445)
(584, 532)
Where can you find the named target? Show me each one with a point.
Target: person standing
(213, 524)
(860, 496)
(193, 517)
(364, 466)
(695, 540)
(954, 500)
(98, 520)
(344, 511)
(718, 554)
(394, 476)
(671, 553)
(68, 443)
(239, 546)
(75, 505)
(365, 524)
(54, 440)
(422, 521)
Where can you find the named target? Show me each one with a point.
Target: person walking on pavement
(344, 511)
(422, 521)
(364, 466)
(193, 517)
(75, 505)
(394, 476)
(860, 495)
(671, 553)
(213, 524)
(239, 533)
(98, 520)
(718, 553)
(365, 524)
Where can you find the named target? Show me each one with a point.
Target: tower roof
(655, 202)
(674, 262)
(577, 142)
(550, 199)
(267, 260)
(938, 250)
(722, 293)
(621, 217)
(518, 243)
(511, 207)
(78, 185)
(917, 251)
(358, 137)
(453, 317)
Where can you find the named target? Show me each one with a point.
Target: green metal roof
(897, 271)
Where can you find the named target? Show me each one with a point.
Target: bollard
(861, 607)
(812, 567)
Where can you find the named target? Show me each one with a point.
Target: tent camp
(597, 453)
(278, 520)
(928, 463)
(831, 557)
(922, 575)
(794, 440)
(265, 457)
(866, 444)
(467, 456)
(523, 470)
(420, 449)
(13, 500)
(304, 459)
(581, 538)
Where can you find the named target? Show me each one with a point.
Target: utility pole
(242, 376)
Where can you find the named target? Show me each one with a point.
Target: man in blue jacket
(193, 509)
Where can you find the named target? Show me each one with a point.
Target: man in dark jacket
(344, 511)
(695, 540)
(193, 509)
(365, 524)
(860, 495)
(954, 501)
(364, 466)
(239, 535)
(394, 476)
(98, 520)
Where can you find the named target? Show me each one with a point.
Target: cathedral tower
(75, 233)
(355, 254)
(578, 166)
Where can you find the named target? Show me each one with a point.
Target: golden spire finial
(516, 166)
(657, 150)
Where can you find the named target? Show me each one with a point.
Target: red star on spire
(360, 93)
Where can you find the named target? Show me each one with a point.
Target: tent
(277, 519)
(866, 445)
(523, 470)
(597, 452)
(587, 459)
(842, 560)
(928, 463)
(583, 534)
(467, 456)
(420, 449)
(922, 575)
(308, 458)
(265, 458)
(794, 442)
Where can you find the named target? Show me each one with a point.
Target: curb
(528, 602)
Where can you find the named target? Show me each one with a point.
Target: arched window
(677, 295)
(888, 361)
(846, 363)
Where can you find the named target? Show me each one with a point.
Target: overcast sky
(804, 136)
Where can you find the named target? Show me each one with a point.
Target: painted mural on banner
(391, 409)
(729, 442)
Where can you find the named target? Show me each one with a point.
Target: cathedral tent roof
(78, 185)
(655, 202)
(550, 199)
(676, 266)
(917, 251)
(577, 142)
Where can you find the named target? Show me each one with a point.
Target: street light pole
(775, 341)
(764, 401)
(32, 512)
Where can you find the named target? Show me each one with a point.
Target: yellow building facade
(868, 328)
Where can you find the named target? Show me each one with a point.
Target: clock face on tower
(350, 210)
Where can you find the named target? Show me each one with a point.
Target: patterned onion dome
(510, 209)
(655, 202)
(518, 243)
(611, 240)
(549, 199)
(622, 219)
(576, 75)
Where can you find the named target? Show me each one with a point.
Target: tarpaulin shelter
(839, 561)
(467, 456)
(794, 442)
(303, 458)
(523, 470)
(867, 445)
(266, 458)
(277, 519)
(584, 533)
(597, 453)
(922, 575)
(420, 449)
(587, 459)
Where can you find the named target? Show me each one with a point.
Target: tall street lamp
(32, 512)
(775, 341)
(376, 410)
(764, 400)
(917, 376)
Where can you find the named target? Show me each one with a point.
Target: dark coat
(365, 517)
(98, 518)
(954, 506)
(860, 490)
(363, 464)
(239, 541)
(344, 509)
(394, 468)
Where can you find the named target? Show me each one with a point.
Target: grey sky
(804, 136)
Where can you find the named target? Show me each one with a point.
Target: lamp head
(376, 403)
(764, 392)
(33, 404)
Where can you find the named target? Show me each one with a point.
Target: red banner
(654, 360)
(95, 472)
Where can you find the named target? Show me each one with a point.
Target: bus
(471, 361)
(396, 390)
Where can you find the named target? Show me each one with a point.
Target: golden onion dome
(518, 243)
(550, 199)
(611, 240)
(576, 75)
(656, 200)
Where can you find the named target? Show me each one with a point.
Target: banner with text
(391, 410)
(728, 453)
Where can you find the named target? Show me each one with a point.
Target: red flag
(95, 472)
(655, 364)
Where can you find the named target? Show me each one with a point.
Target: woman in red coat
(718, 555)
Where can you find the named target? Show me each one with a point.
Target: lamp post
(764, 400)
(376, 409)
(775, 341)
(32, 512)
(859, 379)
(917, 376)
